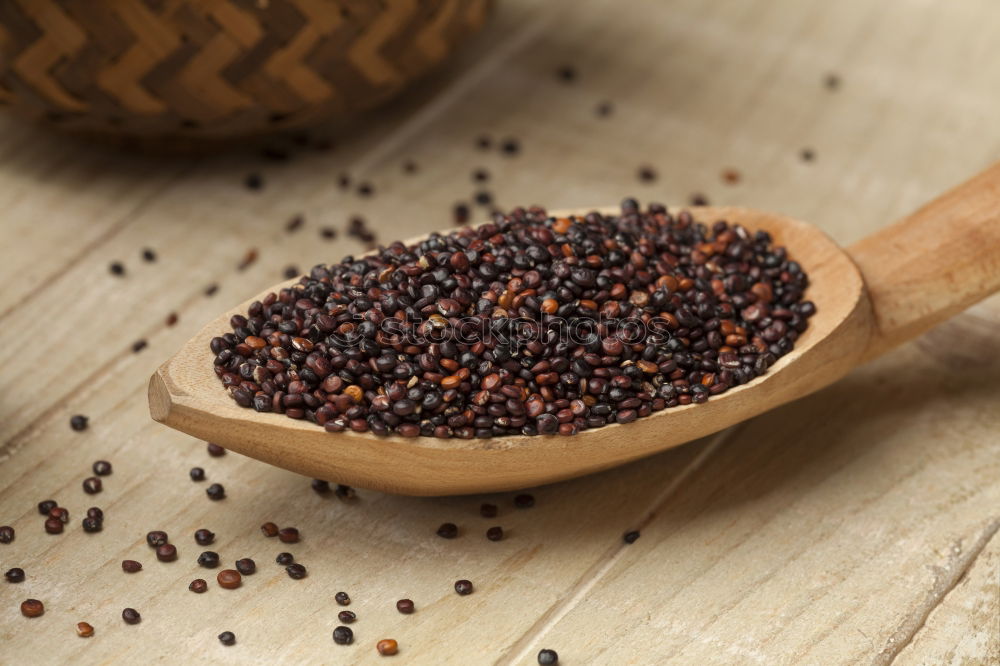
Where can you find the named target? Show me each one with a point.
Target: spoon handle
(933, 263)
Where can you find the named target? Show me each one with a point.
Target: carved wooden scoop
(875, 295)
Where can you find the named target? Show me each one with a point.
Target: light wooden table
(858, 525)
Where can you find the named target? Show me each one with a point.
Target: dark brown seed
(346, 616)
(131, 566)
(84, 630)
(229, 579)
(296, 571)
(548, 657)
(254, 182)
(630, 537)
(343, 635)
(53, 526)
(405, 606)
(211, 289)
(284, 558)
(807, 155)
(447, 531)
(290, 272)
(345, 493)
(46, 506)
(409, 166)
(95, 512)
(288, 535)
(61, 513)
(342, 598)
(604, 109)
(215, 450)
(387, 647)
(15, 575)
(494, 533)
(566, 73)
(102, 468)
(294, 223)
(79, 422)
(269, 529)
(510, 147)
(117, 268)
(216, 492)
(246, 566)
(92, 485)
(488, 510)
(484, 142)
(139, 345)
(156, 538)
(831, 81)
(131, 616)
(698, 199)
(197, 474)
(328, 233)
(166, 553)
(198, 586)
(92, 525)
(148, 255)
(32, 608)
(647, 174)
(524, 501)
(320, 486)
(208, 559)
(6, 534)
(227, 638)
(204, 537)
(463, 587)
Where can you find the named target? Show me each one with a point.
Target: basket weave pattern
(218, 68)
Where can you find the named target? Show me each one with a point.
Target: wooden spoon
(882, 291)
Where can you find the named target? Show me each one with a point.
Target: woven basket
(217, 69)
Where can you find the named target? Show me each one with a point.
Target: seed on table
(211, 289)
(117, 268)
(84, 630)
(296, 571)
(343, 635)
(510, 147)
(698, 199)
(387, 647)
(284, 558)
(291, 271)
(346, 616)
(131, 616)
(6, 534)
(447, 531)
(342, 598)
(227, 638)
(92, 485)
(488, 510)
(15, 575)
(269, 529)
(345, 493)
(480, 175)
(79, 422)
(139, 345)
(148, 254)
(566, 73)
(197, 474)
(131, 566)
(604, 109)
(246, 566)
(328, 233)
(831, 81)
(156, 538)
(32, 608)
(647, 174)
(294, 223)
(216, 492)
(405, 606)
(46, 506)
(215, 450)
(409, 166)
(731, 176)
(253, 181)
(208, 559)
(524, 501)
(95, 512)
(102, 468)
(320, 486)
(204, 537)
(483, 198)
(53, 526)
(288, 535)
(166, 553)
(460, 213)
(59, 513)
(548, 657)
(198, 586)
(463, 587)
(630, 537)
(494, 533)
(229, 579)
(484, 142)
(92, 525)
(365, 189)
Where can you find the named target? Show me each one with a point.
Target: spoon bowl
(858, 316)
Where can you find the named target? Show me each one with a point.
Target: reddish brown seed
(54, 526)
(215, 450)
(451, 382)
(288, 535)
(550, 306)
(166, 553)
(131, 566)
(92, 485)
(229, 579)
(387, 647)
(156, 538)
(405, 606)
(32, 608)
(84, 630)
(731, 176)
(463, 587)
(346, 616)
(60, 513)
(269, 529)
(6, 534)
(198, 586)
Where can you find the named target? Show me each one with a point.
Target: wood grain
(834, 531)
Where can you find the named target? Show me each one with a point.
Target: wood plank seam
(519, 651)
(943, 585)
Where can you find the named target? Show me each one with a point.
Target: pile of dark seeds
(464, 335)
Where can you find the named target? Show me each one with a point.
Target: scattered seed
(510, 147)
(101, 468)
(463, 587)
(148, 255)
(604, 109)
(460, 214)
(387, 647)
(131, 616)
(32, 608)
(328, 233)
(288, 535)
(320, 486)
(204, 537)
(274, 154)
(246, 566)
(166, 553)
(296, 571)
(254, 181)
(630, 537)
(566, 73)
(698, 199)
(59, 513)
(484, 142)
(524, 501)
(731, 176)
(488, 510)
(198, 586)
(117, 268)
(248, 259)
(346, 616)
(345, 493)
(341, 598)
(156, 538)
(229, 579)
(480, 175)
(269, 529)
(15, 575)
(84, 630)
(291, 272)
(494, 533)
(95, 512)
(214, 450)
(409, 166)
(548, 657)
(344, 181)
(131, 566)
(92, 485)
(227, 638)
(197, 474)
(405, 606)
(365, 189)
(211, 289)
(807, 155)
(831, 81)
(79, 422)
(92, 525)
(6, 534)
(284, 558)
(647, 174)
(53, 526)
(216, 492)
(208, 559)
(447, 531)
(484, 198)
(138, 346)
(294, 223)
(343, 635)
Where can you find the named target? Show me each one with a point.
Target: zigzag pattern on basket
(218, 67)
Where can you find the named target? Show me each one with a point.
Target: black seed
(604, 109)
(216, 492)
(254, 181)
(548, 657)
(148, 255)
(510, 147)
(6, 534)
(342, 598)
(92, 524)
(463, 587)
(227, 638)
(246, 566)
(346, 616)
(101, 468)
(117, 268)
(488, 510)
(566, 73)
(208, 559)
(215, 450)
(296, 571)
(197, 474)
(78, 422)
(524, 501)
(156, 538)
(15, 575)
(284, 558)
(139, 345)
(630, 537)
(44, 507)
(494, 533)
(343, 635)
(320, 486)
(447, 531)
